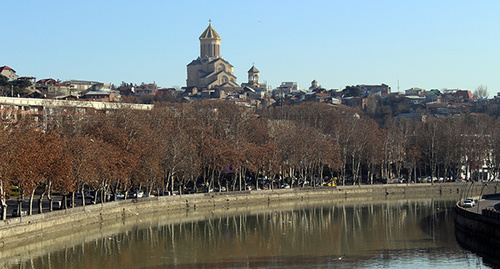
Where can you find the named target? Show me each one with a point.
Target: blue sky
(426, 44)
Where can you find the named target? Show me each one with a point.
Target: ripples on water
(387, 234)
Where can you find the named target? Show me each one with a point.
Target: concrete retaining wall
(478, 226)
(31, 227)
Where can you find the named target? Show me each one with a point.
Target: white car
(285, 186)
(140, 194)
(469, 202)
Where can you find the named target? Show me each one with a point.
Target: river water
(334, 234)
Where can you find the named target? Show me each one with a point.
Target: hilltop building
(52, 88)
(286, 88)
(314, 85)
(374, 89)
(253, 79)
(253, 88)
(210, 70)
(83, 85)
(8, 72)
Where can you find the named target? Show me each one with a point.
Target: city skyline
(431, 45)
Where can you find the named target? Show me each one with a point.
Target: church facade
(210, 70)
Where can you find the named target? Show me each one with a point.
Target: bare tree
(481, 91)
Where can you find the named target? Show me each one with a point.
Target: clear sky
(426, 44)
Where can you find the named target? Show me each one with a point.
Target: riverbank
(478, 228)
(33, 236)
(18, 231)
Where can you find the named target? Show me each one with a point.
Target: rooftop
(210, 33)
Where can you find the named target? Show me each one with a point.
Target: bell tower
(253, 76)
(210, 42)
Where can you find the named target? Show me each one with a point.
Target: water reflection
(397, 234)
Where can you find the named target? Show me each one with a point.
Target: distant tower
(314, 85)
(253, 76)
(210, 42)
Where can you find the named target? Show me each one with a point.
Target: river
(415, 233)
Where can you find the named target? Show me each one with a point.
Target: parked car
(16, 213)
(57, 205)
(285, 186)
(79, 195)
(469, 202)
(135, 194)
(15, 190)
(190, 191)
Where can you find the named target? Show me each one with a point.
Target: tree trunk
(49, 196)
(83, 199)
(40, 203)
(239, 176)
(171, 181)
(32, 197)
(4, 208)
(65, 201)
(3, 201)
(20, 205)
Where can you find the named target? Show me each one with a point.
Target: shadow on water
(489, 253)
(439, 223)
(440, 226)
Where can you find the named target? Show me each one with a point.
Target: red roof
(323, 95)
(466, 94)
(6, 68)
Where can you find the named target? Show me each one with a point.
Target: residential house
(100, 96)
(356, 102)
(433, 95)
(415, 92)
(374, 89)
(145, 89)
(100, 87)
(457, 96)
(8, 72)
(286, 88)
(81, 85)
(254, 93)
(52, 88)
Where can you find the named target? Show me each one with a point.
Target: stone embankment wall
(479, 226)
(32, 227)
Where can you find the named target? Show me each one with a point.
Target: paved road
(493, 203)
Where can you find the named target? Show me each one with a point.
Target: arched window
(221, 67)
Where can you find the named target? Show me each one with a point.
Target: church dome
(210, 33)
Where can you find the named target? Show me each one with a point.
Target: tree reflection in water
(407, 233)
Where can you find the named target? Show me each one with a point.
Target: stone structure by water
(339, 233)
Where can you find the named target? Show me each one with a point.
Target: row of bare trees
(219, 144)
(449, 147)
